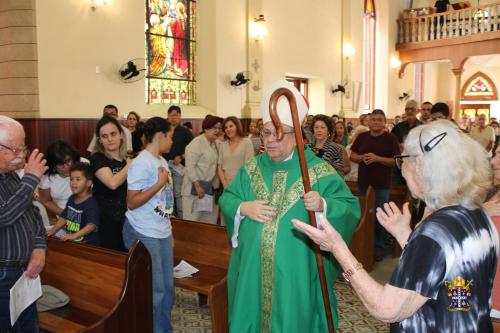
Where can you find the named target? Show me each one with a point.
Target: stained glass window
(369, 56)
(170, 51)
(370, 8)
(479, 87)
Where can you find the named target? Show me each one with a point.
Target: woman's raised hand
(325, 236)
(397, 223)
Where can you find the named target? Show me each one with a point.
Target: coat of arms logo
(458, 291)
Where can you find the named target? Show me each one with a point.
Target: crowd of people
(142, 173)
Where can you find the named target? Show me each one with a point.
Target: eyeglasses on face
(15, 150)
(266, 134)
(399, 160)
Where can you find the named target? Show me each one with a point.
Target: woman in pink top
(492, 205)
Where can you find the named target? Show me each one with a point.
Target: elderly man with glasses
(402, 129)
(22, 233)
(484, 134)
(273, 281)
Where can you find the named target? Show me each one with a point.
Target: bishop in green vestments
(273, 282)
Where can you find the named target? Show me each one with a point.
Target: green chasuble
(273, 282)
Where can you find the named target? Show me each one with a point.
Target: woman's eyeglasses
(425, 148)
(399, 160)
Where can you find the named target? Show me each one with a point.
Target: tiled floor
(188, 317)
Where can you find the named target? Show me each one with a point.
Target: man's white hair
(5, 124)
(454, 171)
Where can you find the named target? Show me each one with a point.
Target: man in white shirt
(483, 134)
(112, 111)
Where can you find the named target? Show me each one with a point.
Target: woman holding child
(150, 203)
(54, 188)
(110, 167)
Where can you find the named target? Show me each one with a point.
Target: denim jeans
(28, 320)
(161, 253)
(381, 197)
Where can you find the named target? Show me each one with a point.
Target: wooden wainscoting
(41, 132)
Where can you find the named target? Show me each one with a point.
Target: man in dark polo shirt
(401, 131)
(374, 152)
(22, 235)
(181, 138)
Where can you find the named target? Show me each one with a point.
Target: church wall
(406, 84)
(230, 58)
(75, 46)
(446, 84)
(18, 59)
(353, 33)
(304, 40)
(387, 84)
(431, 82)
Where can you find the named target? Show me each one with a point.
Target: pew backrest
(109, 291)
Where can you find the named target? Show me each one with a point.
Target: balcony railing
(457, 23)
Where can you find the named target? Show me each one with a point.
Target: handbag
(207, 187)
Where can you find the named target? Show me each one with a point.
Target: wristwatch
(350, 272)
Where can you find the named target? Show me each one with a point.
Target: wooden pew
(205, 246)
(496, 325)
(398, 194)
(109, 291)
(362, 242)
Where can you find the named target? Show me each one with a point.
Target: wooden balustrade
(450, 24)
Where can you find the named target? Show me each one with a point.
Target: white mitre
(283, 107)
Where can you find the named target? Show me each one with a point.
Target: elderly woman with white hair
(444, 277)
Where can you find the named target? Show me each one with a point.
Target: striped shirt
(332, 153)
(21, 226)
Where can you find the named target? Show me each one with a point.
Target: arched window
(171, 45)
(369, 55)
(479, 87)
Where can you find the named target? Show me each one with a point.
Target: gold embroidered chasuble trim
(282, 201)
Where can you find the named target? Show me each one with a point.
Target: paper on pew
(183, 270)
